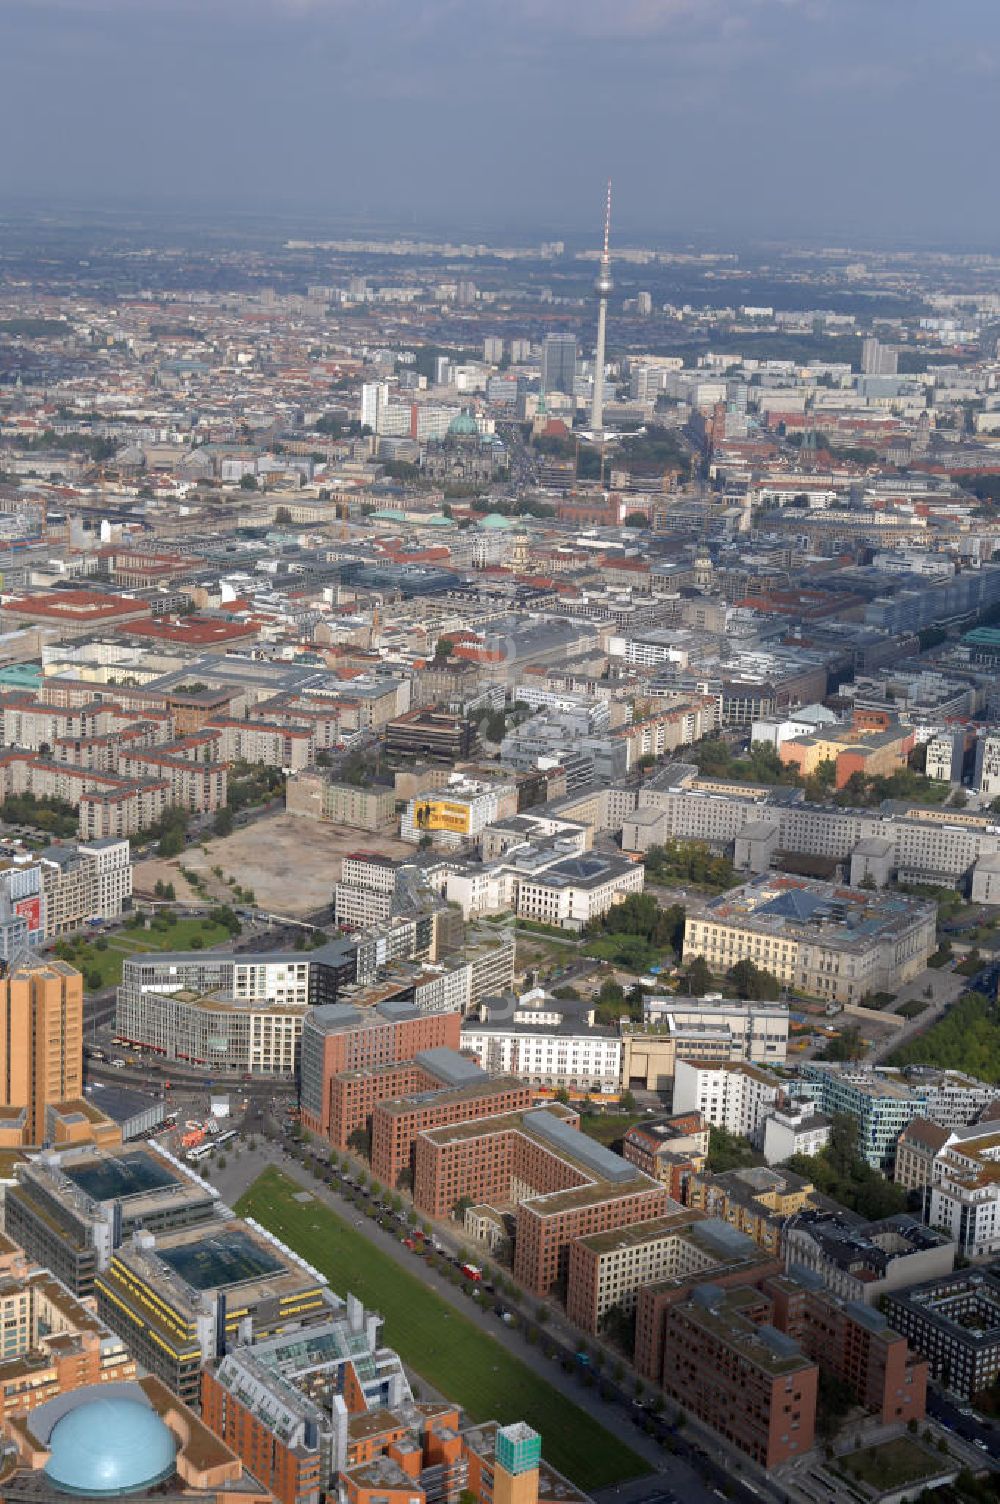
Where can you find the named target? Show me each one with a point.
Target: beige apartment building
(85, 882)
(273, 744)
(124, 810)
(608, 1269)
(916, 1149)
(313, 795)
(193, 785)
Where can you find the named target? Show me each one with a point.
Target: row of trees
(966, 1039)
(864, 792)
(170, 831)
(760, 765)
(613, 1002)
(640, 914)
(747, 979)
(763, 765)
(637, 934)
(251, 784)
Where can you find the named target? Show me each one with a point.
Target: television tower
(603, 286)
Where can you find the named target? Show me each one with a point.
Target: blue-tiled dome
(109, 1446)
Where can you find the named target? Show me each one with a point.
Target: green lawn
(83, 951)
(609, 1127)
(628, 952)
(893, 1464)
(445, 1347)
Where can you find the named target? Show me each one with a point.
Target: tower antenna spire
(603, 287)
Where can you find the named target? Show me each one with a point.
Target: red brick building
(744, 1356)
(737, 1266)
(669, 1149)
(744, 1378)
(559, 1184)
(396, 1124)
(348, 1055)
(855, 1344)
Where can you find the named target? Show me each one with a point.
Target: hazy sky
(739, 118)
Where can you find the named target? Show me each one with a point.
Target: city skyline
(499, 751)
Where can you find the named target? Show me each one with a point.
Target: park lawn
(628, 952)
(892, 1464)
(88, 958)
(461, 1362)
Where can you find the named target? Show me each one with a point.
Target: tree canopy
(966, 1039)
(637, 933)
(754, 983)
(689, 862)
(839, 1171)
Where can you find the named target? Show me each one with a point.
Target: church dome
(464, 426)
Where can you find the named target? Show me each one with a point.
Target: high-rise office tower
(877, 359)
(603, 286)
(41, 1038)
(559, 363)
(493, 349)
(736, 410)
(374, 397)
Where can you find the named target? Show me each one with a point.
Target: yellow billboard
(442, 814)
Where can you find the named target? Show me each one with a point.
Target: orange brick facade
(395, 1125)
(376, 1044)
(290, 1475)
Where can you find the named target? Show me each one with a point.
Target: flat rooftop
(116, 1178)
(719, 1313)
(220, 1259)
(621, 1239)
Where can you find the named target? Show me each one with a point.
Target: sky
(840, 121)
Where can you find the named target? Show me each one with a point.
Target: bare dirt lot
(290, 863)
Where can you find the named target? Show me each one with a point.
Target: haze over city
(775, 119)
